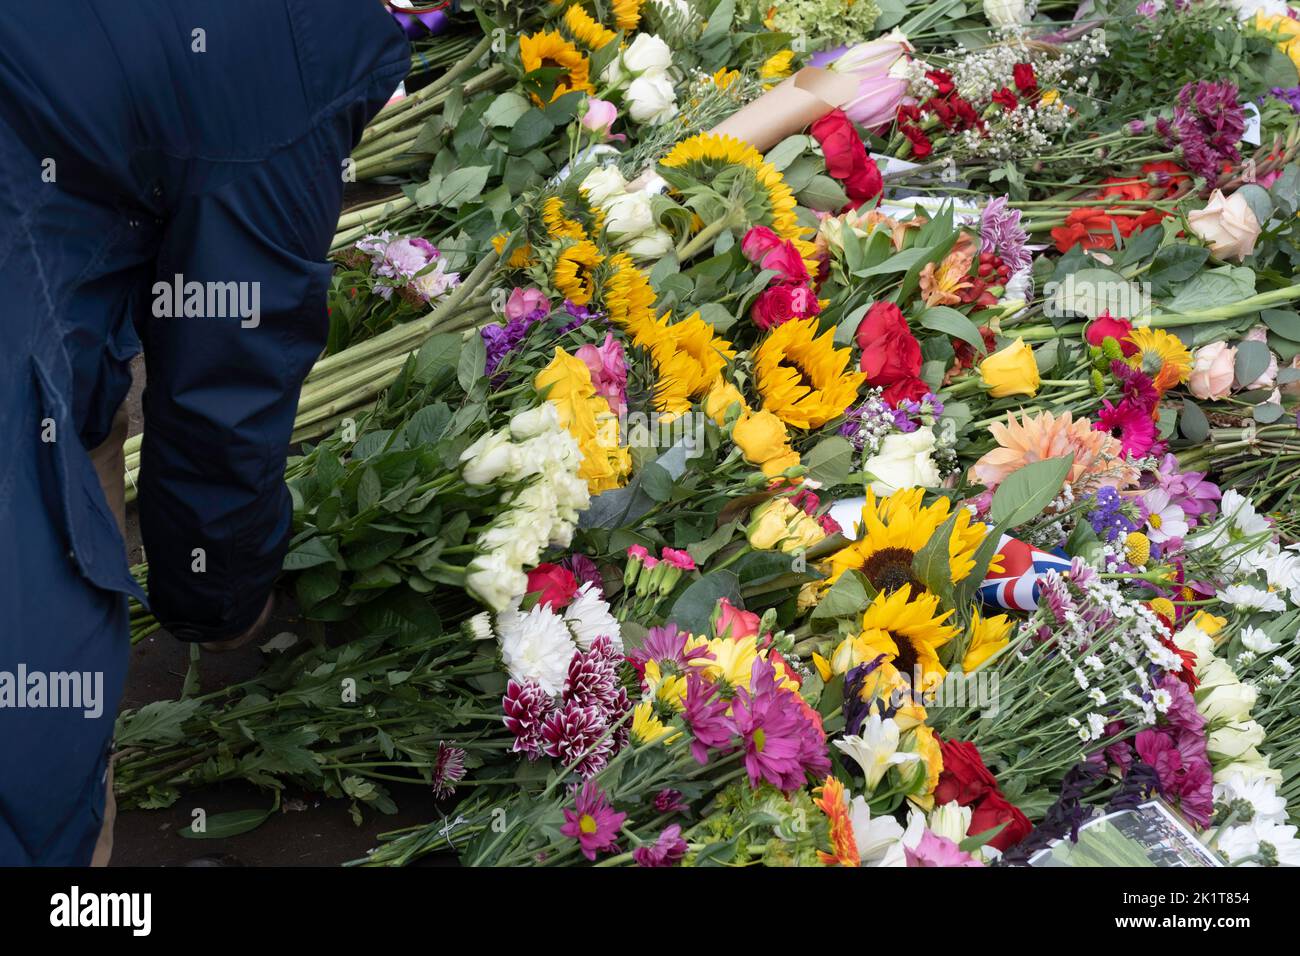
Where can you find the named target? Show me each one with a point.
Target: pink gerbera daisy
(1131, 424)
(593, 822)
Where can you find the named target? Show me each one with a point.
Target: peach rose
(1212, 370)
(1267, 378)
(1228, 224)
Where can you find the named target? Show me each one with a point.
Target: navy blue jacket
(146, 144)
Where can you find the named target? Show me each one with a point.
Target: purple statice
(867, 425)
(1207, 125)
(1107, 515)
(1289, 95)
(1002, 235)
(1187, 489)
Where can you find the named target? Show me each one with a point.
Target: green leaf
(830, 461)
(1252, 361)
(930, 564)
(506, 109)
(823, 194)
(472, 364)
(1283, 322)
(310, 553)
(940, 318)
(848, 596)
(1268, 412)
(1285, 191)
(529, 130)
(462, 185)
(219, 826)
(1024, 493)
(694, 607)
(657, 482)
(1193, 423)
(160, 722)
(787, 151)
(368, 490)
(1223, 285)
(1175, 264)
(1089, 293)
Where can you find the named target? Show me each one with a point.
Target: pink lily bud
(877, 101)
(869, 59)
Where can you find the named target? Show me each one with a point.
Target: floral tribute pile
(807, 433)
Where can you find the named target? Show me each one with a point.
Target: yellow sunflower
(583, 28)
(907, 632)
(1161, 356)
(627, 14)
(706, 154)
(895, 528)
(803, 378)
(547, 50)
(988, 635)
(558, 224)
(689, 358)
(520, 256)
(572, 276)
(629, 299)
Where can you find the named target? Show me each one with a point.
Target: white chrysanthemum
(536, 646)
(1251, 598)
(479, 627)
(495, 580)
(1259, 793)
(1256, 640)
(588, 618)
(1235, 843)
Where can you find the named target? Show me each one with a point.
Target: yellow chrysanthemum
(988, 635)
(804, 380)
(921, 740)
(566, 382)
(586, 30)
(689, 358)
(630, 299)
(627, 14)
(895, 528)
(1162, 356)
(572, 276)
(549, 49)
(520, 256)
(706, 154)
(558, 225)
(647, 728)
(907, 632)
(831, 799)
(777, 66)
(724, 77)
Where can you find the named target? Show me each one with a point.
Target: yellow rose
(762, 438)
(803, 533)
(720, 399)
(769, 523)
(1011, 371)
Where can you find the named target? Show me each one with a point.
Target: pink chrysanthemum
(593, 822)
(593, 677)
(448, 770)
(706, 718)
(773, 729)
(576, 735)
(526, 707)
(665, 851)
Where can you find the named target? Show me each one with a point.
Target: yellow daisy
(988, 635)
(1162, 356)
(777, 66)
(548, 50)
(572, 276)
(907, 632)
(583, 28)
(894, 528)
(647, 728)
(803, 378)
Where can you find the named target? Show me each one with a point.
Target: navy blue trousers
(148, 146)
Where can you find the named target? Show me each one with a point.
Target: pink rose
(1212, 370)
(600, 116)
(731, 621)
(608, 371)
(524, 302)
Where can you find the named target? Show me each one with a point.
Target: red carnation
(942, 81)
(908, 389)
(1026, 82)
(921, 146)
(1006, 99)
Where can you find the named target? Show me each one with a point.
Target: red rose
(1107, 326)
(1023, 75)
(846, 158)
(1006, 99)
(964, 778)
(993, 811)
(908, 389)
(890, 352)
(779, 303)
(555, 585)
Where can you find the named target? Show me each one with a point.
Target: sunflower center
(907, 658)
(889, 569)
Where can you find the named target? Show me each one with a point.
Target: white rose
(1227, 702)
(533, 422)
(1228, 224)
(650, 245)
(536, 646)
(647, 55)
(496, 581)
(1235, 740)
(1251, 765)
(603, 184)
(651, 100)
(1215, 672)
(628, 215)
(487, 459)
(904, 461)
(1005, 13)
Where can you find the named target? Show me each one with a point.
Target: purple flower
(667, 850)
(1182, 712)
(781, 745)
(1107, 517)
(1290, 96)
(706, 718)
(1207, 125)
(576, 734)
(669, 801)
(593, 822)
(1182, 765)
(526, 706)
(1001, 234)
(448, 770)
(1189, 490)
(667, 645)
(584, 571)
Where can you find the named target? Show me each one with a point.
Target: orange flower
(941, 284)
(1097, 456)
(831, 800)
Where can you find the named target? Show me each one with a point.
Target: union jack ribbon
(1015, 587)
